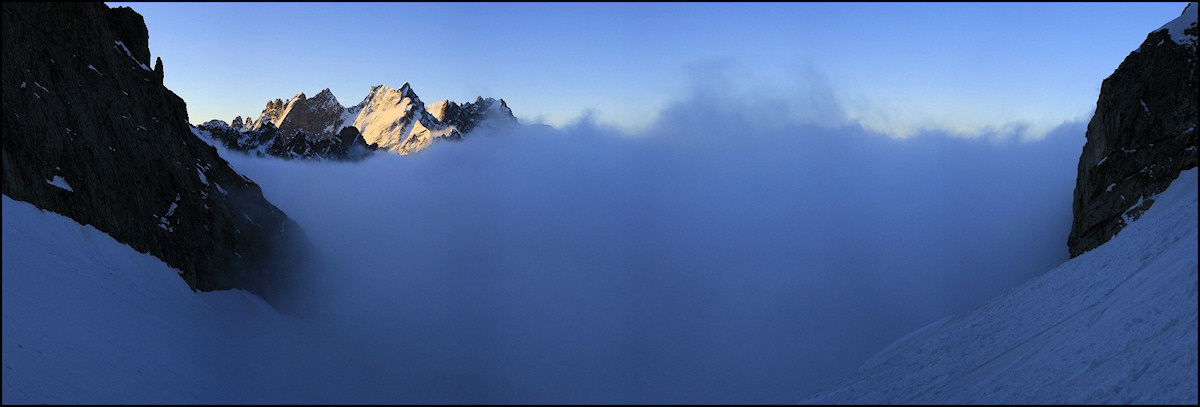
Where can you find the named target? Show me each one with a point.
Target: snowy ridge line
(394, 119)
(130, 54)
(1177, 26)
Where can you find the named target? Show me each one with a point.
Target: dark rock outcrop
(90, 132)
(347, 145)
(1142, 135)
(465, 117)
(130, 28)
(344, 145)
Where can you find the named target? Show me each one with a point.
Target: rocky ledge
(90, 132)
(1142, 135)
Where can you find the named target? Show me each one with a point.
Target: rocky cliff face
(319, 116)
(268, 141)
(90, 132)
(395, 120)
(271, 114)
(465, 117)
(1142, 135)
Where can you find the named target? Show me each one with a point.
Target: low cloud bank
(725, 255)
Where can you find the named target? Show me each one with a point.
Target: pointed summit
(270, 114)
(395, 119)
(1183, 28)
(319, 117)
(438, 109)
(326, 100)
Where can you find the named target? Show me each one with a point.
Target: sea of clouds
(747, 246)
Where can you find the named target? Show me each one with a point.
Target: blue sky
(898, 68)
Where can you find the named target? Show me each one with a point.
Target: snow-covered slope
(90, 320)
(1114, 325)
(1177, 26)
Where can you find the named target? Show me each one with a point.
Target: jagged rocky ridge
(1142, 135)
(90, 132)
(395, 120)
(347, 145)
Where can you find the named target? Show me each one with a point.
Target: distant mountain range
(394, 120)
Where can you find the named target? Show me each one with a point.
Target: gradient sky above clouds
(898, 68)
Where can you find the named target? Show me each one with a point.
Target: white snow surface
(60, 182)
(1186, 20)
(1115, 325)
(90, 320)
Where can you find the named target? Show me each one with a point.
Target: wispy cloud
(767, 96)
